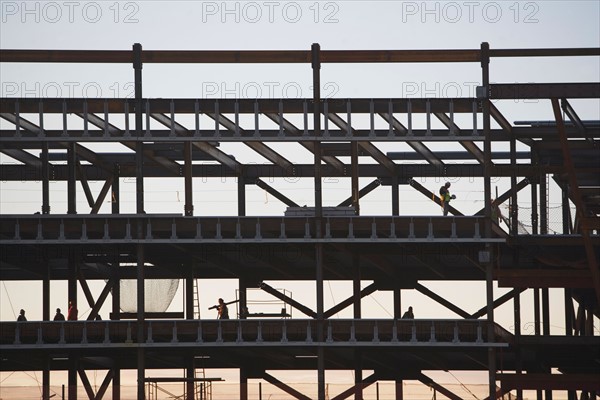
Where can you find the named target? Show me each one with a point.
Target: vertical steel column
(398, 315)
(358, 372)
(46, 379)
(139, 184)
(190, 392)
(316, 67)
(187, 172)
(72, 179)
(569, 312)
(536, 311)
(72, 375)
(140, 317)
(566, 211)
(354, 178)
(116, 310)
(241, 195)
(139, 145)
(45, 179)
(536, 324)
(397, 303)
(543, 205)
(116, 289)
(72, 281)
(514, 217)
(116, 382)
(243, 384)
(115, 198)
(189, 292)
(243, 285)
(487, 144)
(356, 285)
(546, 310)
(517, 316)
(399, 390)
(534, 207)
(489, 280)
(487, 188)
(46, 295)
(395, 195)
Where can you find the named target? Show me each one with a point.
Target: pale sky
(267, 25)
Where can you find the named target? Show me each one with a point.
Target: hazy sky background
(232, 25)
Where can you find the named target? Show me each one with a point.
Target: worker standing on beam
(223, 311)
(445, 197)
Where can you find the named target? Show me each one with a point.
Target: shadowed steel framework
(308, 243)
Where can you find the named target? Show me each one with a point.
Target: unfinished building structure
(315, 243)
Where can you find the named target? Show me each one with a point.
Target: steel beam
(291, 129)
(435, 198)
(23, 156)
(427, 381)
(209, 149)
(280, 56)
(524, 91)
(45, 179)
(508, 194)
(188, 207)
(86, 289)
(498, 302)
(470, 146)
(406, 172)
(349, 301)
(444, 155)
(487, 193)
(275, 193)
(86, 384)
(280, 385)
(300, 307)
(367, 147)
(259, 147)
(101, 298)
(104, 386)
(102, 195)
(139, 146)
(85, 185)
(418, 146)
(72, 179)
(434, 296)
(570, 111)
(576, 196)
(237, 56)
(534, 381)
(168, 164)
(361, 193)
(355, 194)
(358, 387)
(548, 52)
(269, 107)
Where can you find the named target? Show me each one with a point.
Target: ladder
(203, 389)
(196, 296)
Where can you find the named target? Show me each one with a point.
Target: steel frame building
(395, 252)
